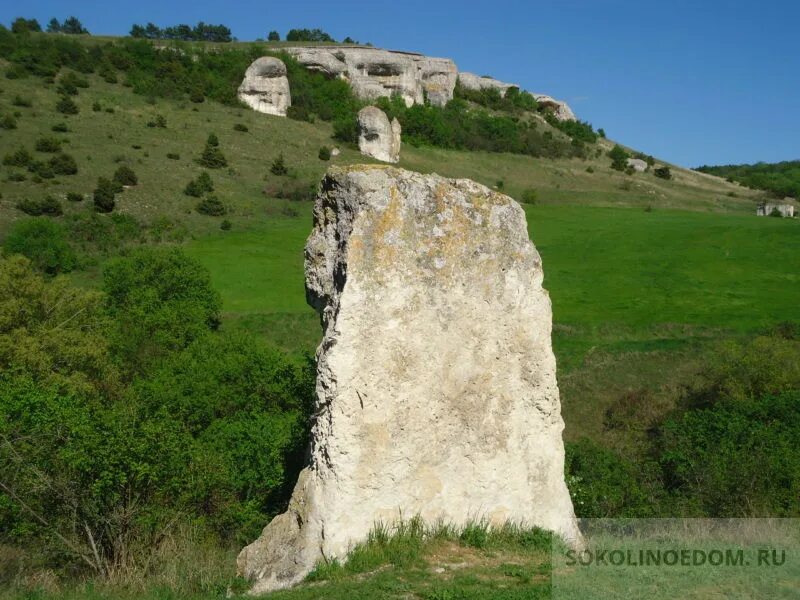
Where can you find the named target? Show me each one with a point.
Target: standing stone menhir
(436, 380)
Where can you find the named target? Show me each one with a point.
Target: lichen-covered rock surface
(436, 381)
(265, 87)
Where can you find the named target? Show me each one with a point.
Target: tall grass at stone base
(404, 544)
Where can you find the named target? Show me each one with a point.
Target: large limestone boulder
(559, 108)
(637, 164)
(436, 380)
(377, 137)
(265, 87)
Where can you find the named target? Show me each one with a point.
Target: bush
(212, 206)
(324, 153)
(21, 101)
(212, 157)
(603, 484)
(530, 196)
(74, 197)
(619, 158)
(124, 175)
(159, 121)
(63, 164)
(201, 185)
(279, 166)
(19, 158)
(96, 107)
(735, 459)
(103, 195)
(48, 206)
(197, 96)
(162, 301)
(8, 122)
(60, 128)
(66, 106)
(212, 140)
(48, 145)
(173, 156)
(240, 127)
(663, 173)
(44, 243)
(225, 225)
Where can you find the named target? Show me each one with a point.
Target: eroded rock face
(436, 384)
(470, 81)
(377, 137)
(375, 73)
(265, 87)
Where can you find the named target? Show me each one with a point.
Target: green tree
(619, 157)
(161, 301)
(103, 195)
(279, 166)
(44, 243)
(274, 36)
(22, 25)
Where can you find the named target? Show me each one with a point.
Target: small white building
(766, 209)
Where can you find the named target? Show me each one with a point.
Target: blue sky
(691, 82)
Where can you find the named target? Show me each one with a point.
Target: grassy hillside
(647, 276)
(779, 179)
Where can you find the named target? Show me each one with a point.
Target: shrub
(279, 166)
(60, 128)
(162, 300)
(21, 101)
(324, 153)
(299, 113)
(530, 196)
(212, 206)
(212, 140)
(48, 206)
(8, 122)
(96, 107)
(74, 197)
(213, 158)
(66, 106)
(48, 145)
(103, 195)
(63, 164)
(197, 96)
(619, 157)
(201, 185)
(159, 121)
(603, 484)
(41, 169)
(735, 459)
(124, 175)
(663, 173)
(16, 177)
(590, 169)
(44, 243)
(173, 156)
(19, 158)
(240, 127)
(225, 225)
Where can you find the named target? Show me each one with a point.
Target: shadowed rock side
(436, 380)
(265, 87)
(377, 136)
